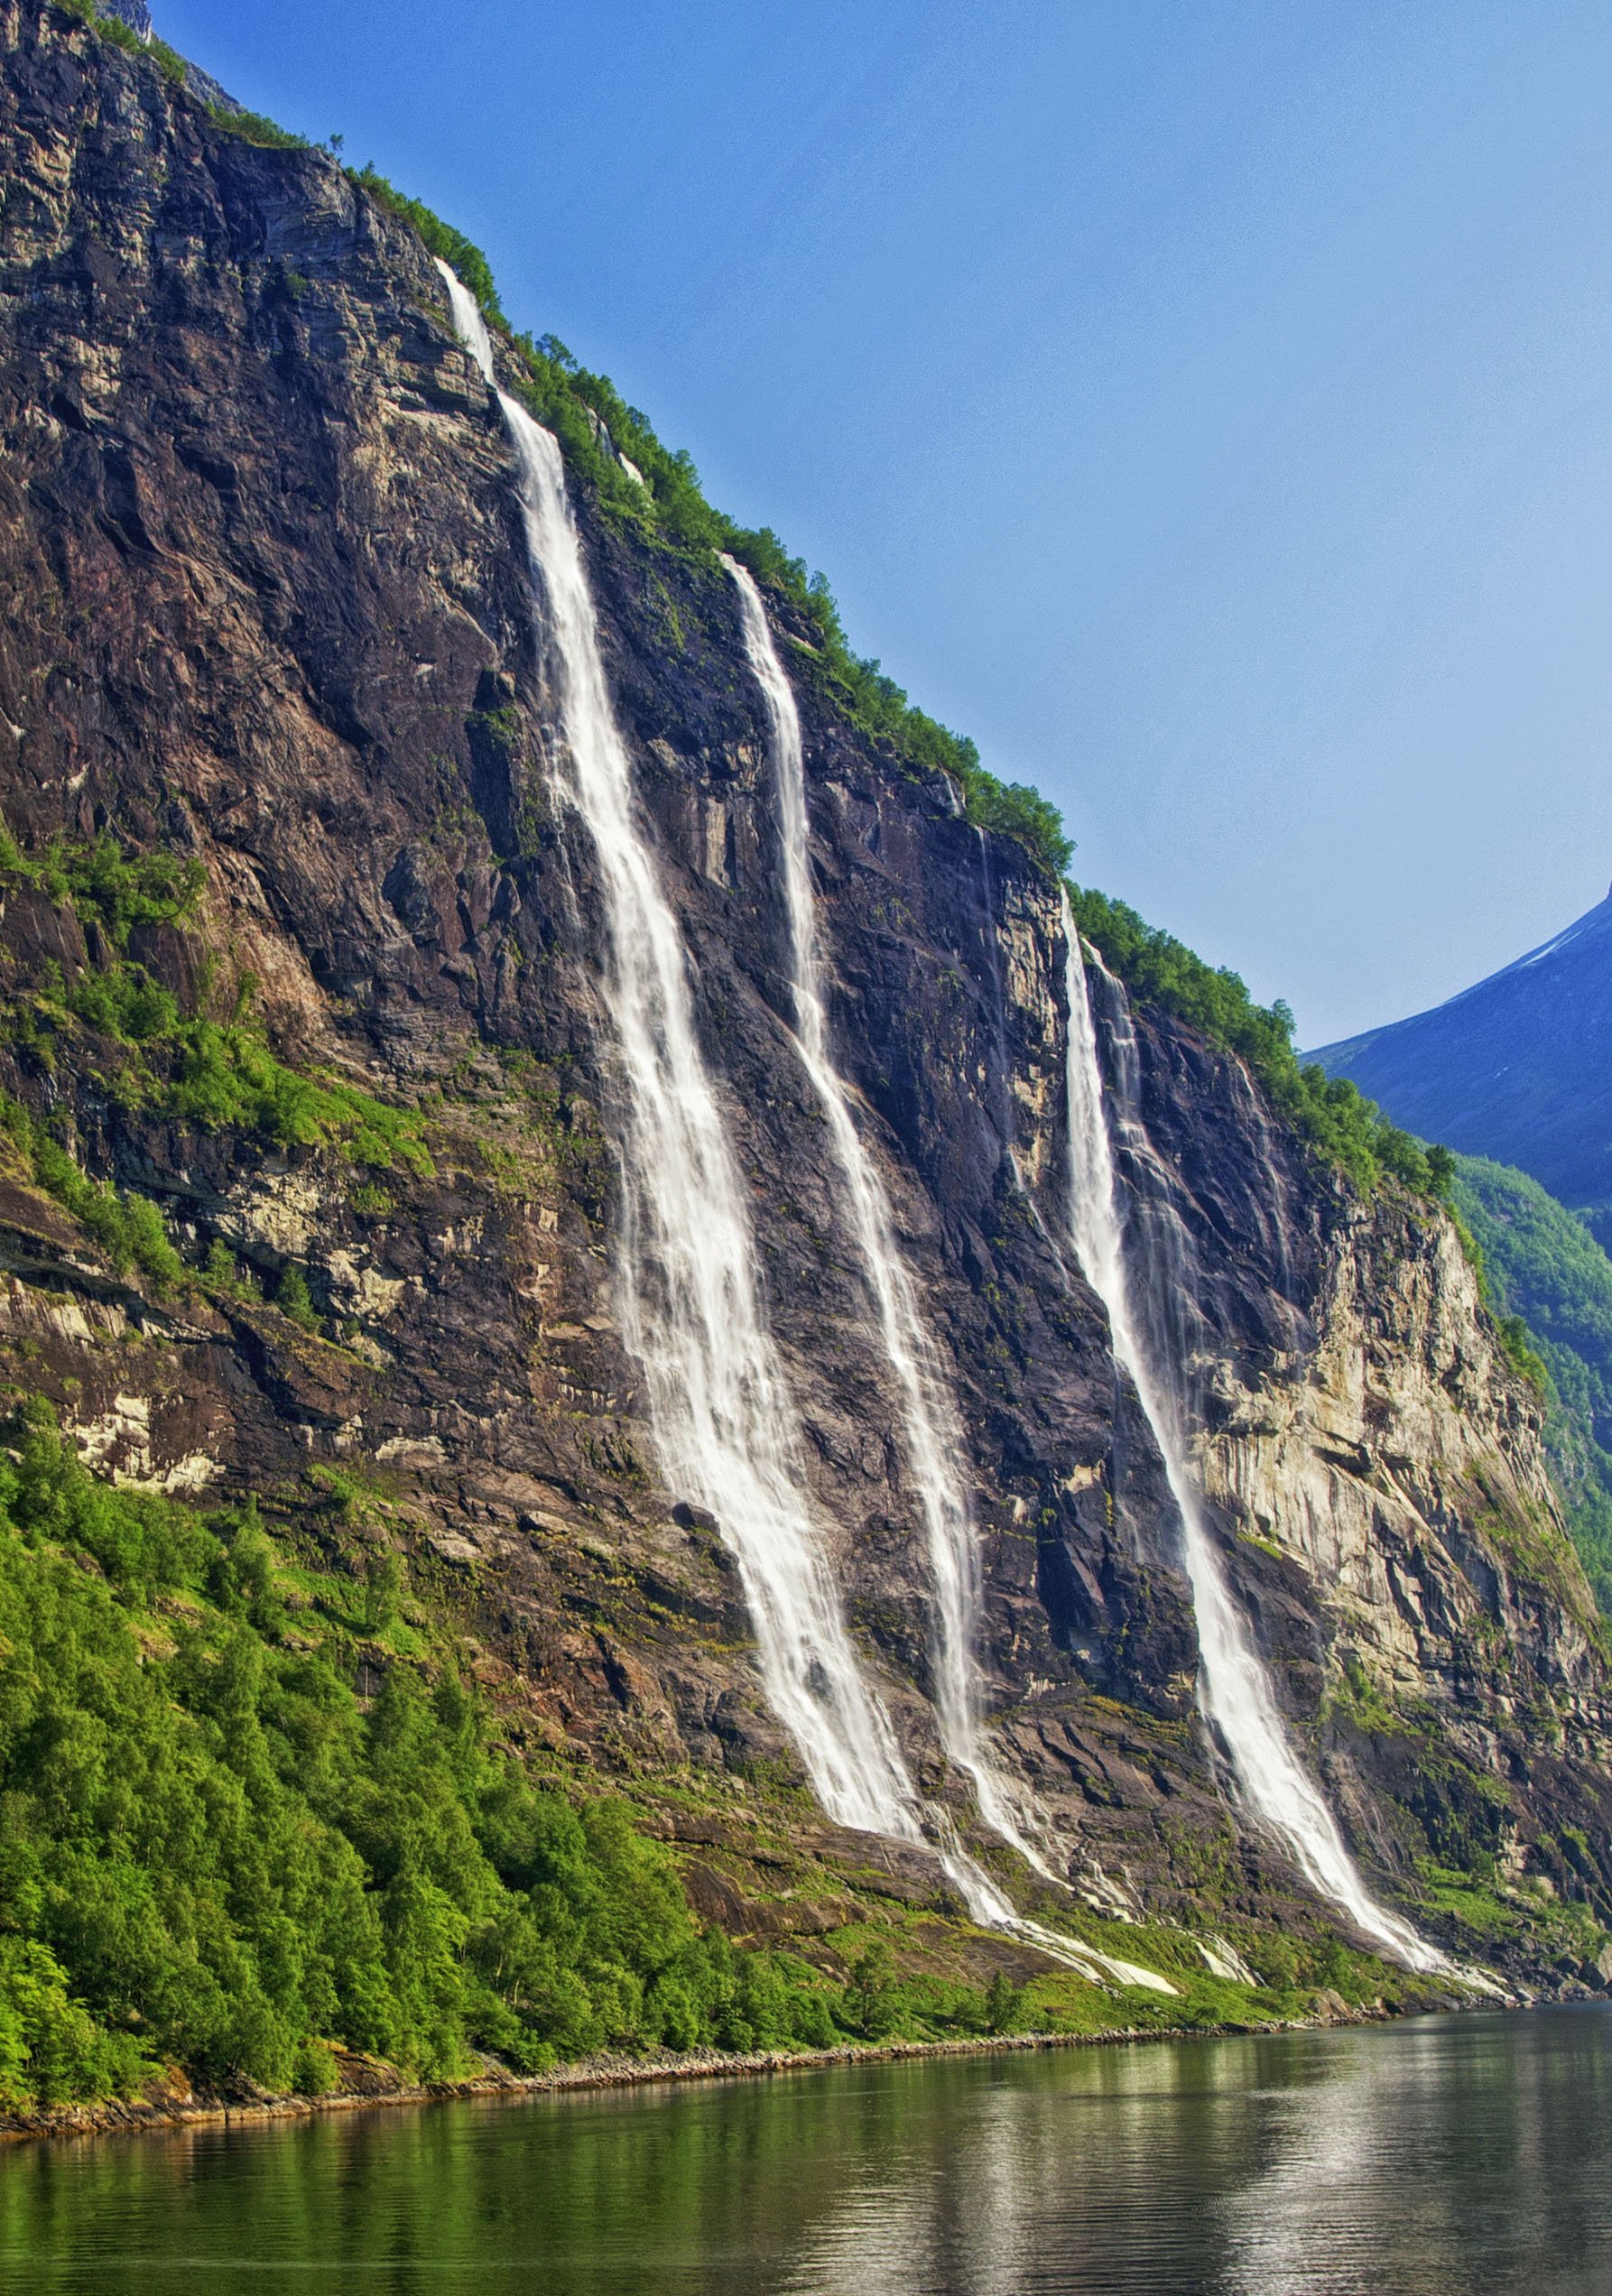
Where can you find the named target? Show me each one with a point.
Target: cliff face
(267, 613)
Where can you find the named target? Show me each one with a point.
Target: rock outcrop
(266, 620)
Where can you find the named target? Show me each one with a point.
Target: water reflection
(1446, 2157)
(1469, 2157)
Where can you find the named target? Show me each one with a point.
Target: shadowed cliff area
(312, 1220)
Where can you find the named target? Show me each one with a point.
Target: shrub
(1004, 2004)
(128, 1228)
(255, 128)
(119, 890)
(1330, 1113)
(213, 1845)
(294, 1299)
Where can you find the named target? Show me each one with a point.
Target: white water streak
(690, 1298)
(928, 1413)
(934, 1451)
(1233, 1689)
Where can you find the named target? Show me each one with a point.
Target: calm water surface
(1444, 2157)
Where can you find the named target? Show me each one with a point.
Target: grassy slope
(1543, 1265)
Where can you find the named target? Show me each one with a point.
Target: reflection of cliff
(267, 613)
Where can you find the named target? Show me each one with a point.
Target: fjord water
(688, 1290)
(1454, 2156)
(1140, 1267)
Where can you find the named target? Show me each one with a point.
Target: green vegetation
(1551, 1283)
(256, 127)
(1329, 1112)
(227, 1078)
(168, 62)
(596, 428)
(578, 406)
(254, 1817)
(588, 416)
(440, 239)
(253, 127)
(128, 1228)
(218, 1075)
(116, 891)
(294, 1299)
(215, 1852)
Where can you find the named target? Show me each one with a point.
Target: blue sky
(1208, 407)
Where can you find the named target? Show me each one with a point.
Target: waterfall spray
(1151, 1344)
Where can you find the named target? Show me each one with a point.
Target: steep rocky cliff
(276, 752)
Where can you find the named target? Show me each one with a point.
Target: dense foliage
(215, 1851)
(251, 1818)
(1329, 1112)
(1544, 1268)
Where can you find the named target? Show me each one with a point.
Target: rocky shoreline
(373, 2084)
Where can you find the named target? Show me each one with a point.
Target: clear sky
(1207, 406)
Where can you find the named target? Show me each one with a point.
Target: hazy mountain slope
(1518, 1067)
(1545, 1266)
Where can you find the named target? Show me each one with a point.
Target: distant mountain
(1518, 1069)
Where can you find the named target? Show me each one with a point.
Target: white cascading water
(690, 1302)
(928, 1412)
(1233, 1690)
(932, 1449)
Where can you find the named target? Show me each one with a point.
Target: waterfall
(933, 1451)
(928, 1412)
(1153, 1344)
(690, 1301)
(688, 1287)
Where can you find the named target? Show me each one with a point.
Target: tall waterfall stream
(688, 1300)
(928, 1414)
(1148, 1293)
